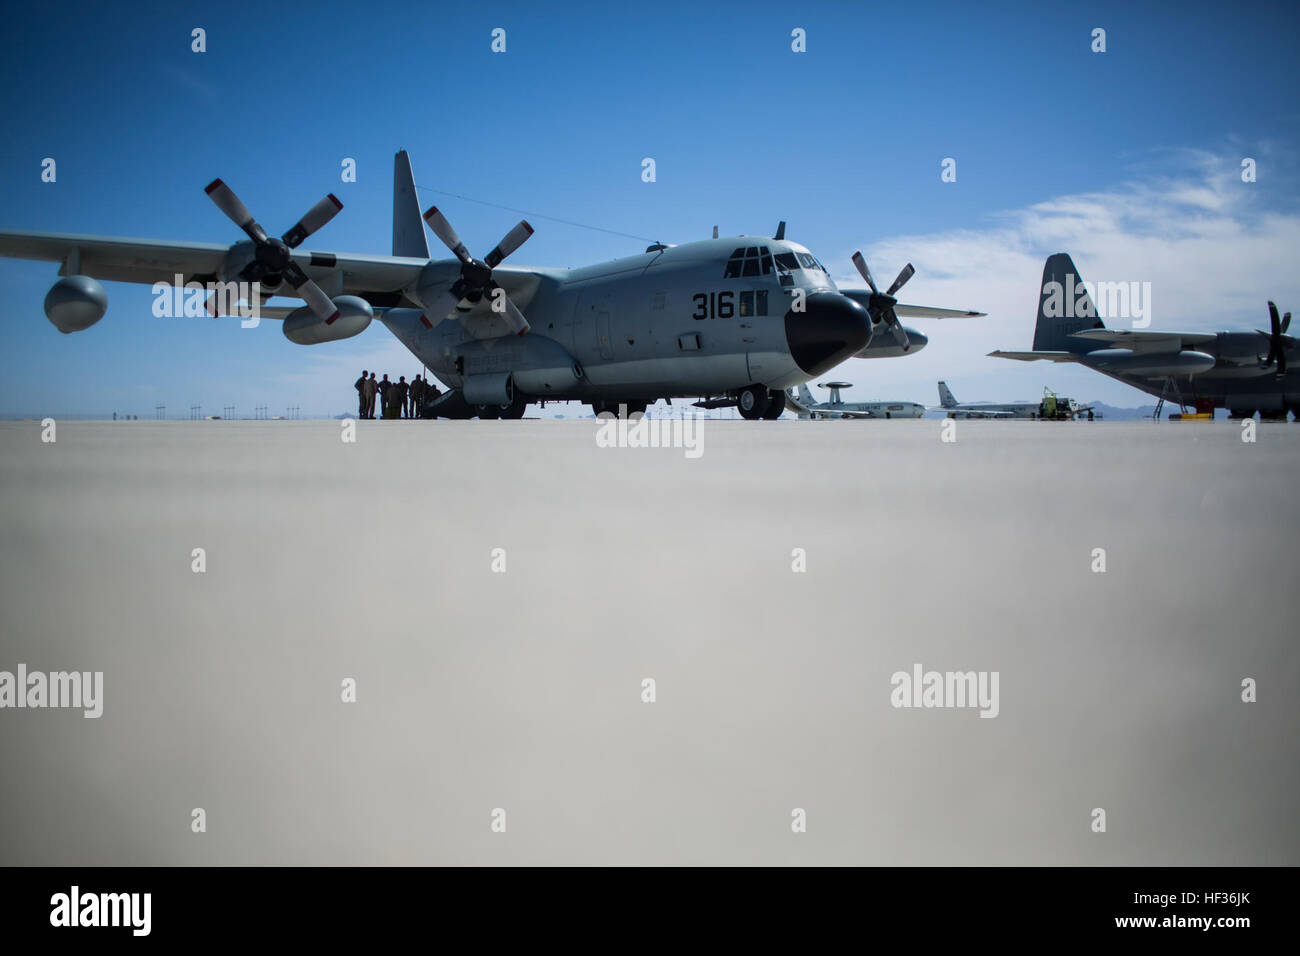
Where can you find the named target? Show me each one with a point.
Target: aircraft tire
(488, 412)
(775, 404)
(752, 402)
(516, 408)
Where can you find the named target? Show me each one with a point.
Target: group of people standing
(400, 399)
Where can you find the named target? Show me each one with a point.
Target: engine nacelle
(75, 303)
(303, 327)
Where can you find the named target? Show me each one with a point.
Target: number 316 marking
(714, 305)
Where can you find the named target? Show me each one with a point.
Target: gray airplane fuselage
(672, 322)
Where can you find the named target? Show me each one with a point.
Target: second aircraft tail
(408, 227)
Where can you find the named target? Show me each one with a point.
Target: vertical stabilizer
(946, 399)
(1064, 307)
(408, 227)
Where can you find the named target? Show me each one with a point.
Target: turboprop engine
(75, 303)
(305, 327)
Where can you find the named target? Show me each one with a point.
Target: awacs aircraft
(953, 409)
(736, 321)
(808, 407)
(1243, 371)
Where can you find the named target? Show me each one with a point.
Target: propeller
(475, 276)
(272, 262)
(881, 305)
(1278, 340)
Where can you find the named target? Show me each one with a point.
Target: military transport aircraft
(808, 407)
(949, 405)
(1243, 371)
(735, 321)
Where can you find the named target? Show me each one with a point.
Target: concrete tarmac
(481, 690)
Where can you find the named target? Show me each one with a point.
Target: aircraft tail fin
(805, 396)
(1064, 307)
(946, 399)
(408, 228)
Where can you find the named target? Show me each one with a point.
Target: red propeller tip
(332, 318)
(424, 320)
(215, 184)
(335, 199)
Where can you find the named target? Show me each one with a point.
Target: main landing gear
(618, 408)
(758, 401)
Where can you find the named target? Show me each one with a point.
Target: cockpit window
(807, 261)
(786, 262)
(749, 261)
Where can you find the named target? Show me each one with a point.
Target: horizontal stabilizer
(1035, 356)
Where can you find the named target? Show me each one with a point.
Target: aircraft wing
(931, 312)
(863, 297)
(1145, 341)
(1035, 356)
(151, 260)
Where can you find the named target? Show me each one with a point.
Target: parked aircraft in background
(806, 406)
(954, 409)
(1244, 371)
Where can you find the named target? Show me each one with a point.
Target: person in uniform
(403, 393)
(361, 394)
(372, 389)
(385, 396)
(417, 397)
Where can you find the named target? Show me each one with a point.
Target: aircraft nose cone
(829, 329)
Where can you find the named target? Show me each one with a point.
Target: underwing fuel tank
(1176, 364)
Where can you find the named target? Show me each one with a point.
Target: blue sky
(1128, 159)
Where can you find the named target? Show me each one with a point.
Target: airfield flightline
(499, 593)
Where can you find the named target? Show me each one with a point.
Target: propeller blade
(1274, 322)
(311, 293)
(516, 318)
(900, 336)
(1286, 322)
(236, 211)
(317, 216)
(442, 229)
(901, 281)
(861, 264)
(515, 238)
(439, 309)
